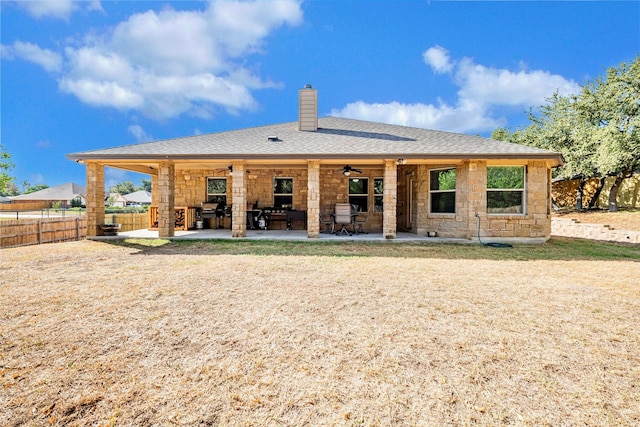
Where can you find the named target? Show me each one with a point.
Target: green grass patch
(562, 249)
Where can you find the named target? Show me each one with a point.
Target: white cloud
(481, 91)
(464, 118)
(169, 62)
(505, 87)
(60, 9)
(139, 133)
(438, 58)
(47, 59)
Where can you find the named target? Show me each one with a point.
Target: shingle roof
(335, 138)
(68, 191)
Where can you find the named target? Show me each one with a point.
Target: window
(505, 189)
(217, 190)
(359, 193)
(442, 190)
(378, 194)
(283, 193)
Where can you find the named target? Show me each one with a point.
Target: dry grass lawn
(100, 334)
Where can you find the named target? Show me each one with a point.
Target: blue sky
(77, 76)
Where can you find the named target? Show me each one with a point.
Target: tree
(596, 131)
(5, 167)
(146, 185)
(558, 128)
(11, 189)
(123, 188)
(34, 188)
(611, 106)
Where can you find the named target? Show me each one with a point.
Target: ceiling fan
(228, 168)
(347, 169)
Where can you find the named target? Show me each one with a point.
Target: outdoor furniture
(342, 217)
(326, 220)
(220, 213)
(361, 219)
(296, 215)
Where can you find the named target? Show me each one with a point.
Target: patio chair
(342, 216)
(326, 220)
(360, 220)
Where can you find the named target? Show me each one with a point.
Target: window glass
(505, 189)
(359, 193)
(505, 177)
(442, 189)
(378, 195)
(283, 193)
(443, 180)
(217, 190)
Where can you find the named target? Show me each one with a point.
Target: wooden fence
(128, 221)
(23, 232)
(24, 206)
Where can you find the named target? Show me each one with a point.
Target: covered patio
(405, 180)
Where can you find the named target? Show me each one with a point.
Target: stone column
(239, 200)
(538, 201)
(154, 189)
(476, 196)
(95, 198)
(390, 198)
(166, 200)
(313, 199)
(421, 197)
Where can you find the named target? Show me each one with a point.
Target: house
(66, 194)
(137, 198)
(116, 200)
(408, 179)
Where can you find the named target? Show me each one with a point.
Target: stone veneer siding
(390, 199)
(471, 198)
(313, 199)
(166, 199)
(95, 198)
(317, 189)
(239, 196)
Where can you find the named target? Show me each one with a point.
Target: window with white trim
(359, 193)
(283, 193)
(506, 189)
(217, 190)
(442, 190)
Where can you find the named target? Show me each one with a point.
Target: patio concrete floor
(301, 235)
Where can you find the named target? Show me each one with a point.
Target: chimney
(308, 109)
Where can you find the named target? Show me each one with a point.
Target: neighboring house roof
(68, 191)
(4, 199)
(141, 197)
(335, 138)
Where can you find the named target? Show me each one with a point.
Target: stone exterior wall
(166, 199)
(567, 227)
(390, 199)
(95, 198)
(334, 188)
(313, 200)
(191, 185)
(564, 192)
(331, 187)
(445, 225)
(471, 198)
